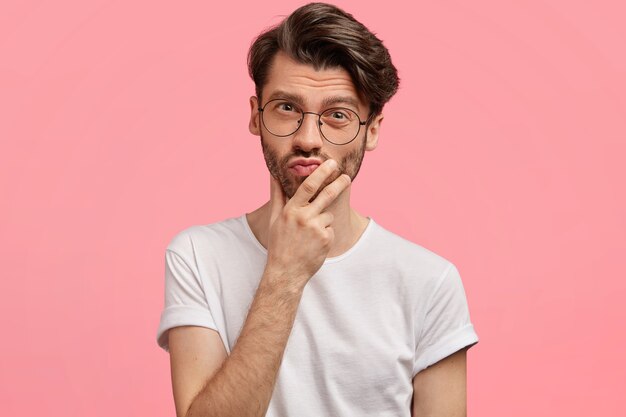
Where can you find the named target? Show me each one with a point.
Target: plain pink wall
(121, 123)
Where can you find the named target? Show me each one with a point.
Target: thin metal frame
(319, 120)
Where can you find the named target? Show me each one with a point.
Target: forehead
(314, 86)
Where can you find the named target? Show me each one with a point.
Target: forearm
(244, 383)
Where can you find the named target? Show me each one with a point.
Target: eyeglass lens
(283, 118)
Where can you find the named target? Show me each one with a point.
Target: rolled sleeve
(447, 327)
(185, 299)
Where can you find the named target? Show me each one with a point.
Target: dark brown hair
(325, 36)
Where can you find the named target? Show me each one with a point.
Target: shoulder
(199, 237)
(395, 250)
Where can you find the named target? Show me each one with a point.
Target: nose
(308, 136)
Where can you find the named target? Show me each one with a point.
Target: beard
(349, 164)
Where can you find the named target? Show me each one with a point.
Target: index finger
(330, 193)
(313, 182)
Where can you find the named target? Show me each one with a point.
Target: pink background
(121, 123)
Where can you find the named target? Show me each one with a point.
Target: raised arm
(241, 384)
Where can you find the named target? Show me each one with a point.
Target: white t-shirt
(368, 320)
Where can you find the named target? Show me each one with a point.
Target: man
(304, 307)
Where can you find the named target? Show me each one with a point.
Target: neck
(347, 224)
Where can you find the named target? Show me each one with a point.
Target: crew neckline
(370, 225)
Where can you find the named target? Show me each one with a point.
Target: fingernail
(332, 163)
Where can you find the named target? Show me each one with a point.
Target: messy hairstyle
(324, 36)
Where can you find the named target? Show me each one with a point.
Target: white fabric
(368, 320)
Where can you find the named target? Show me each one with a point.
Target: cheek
(351, 161)
(353, 155)
(275, 158)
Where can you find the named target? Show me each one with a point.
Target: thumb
(277, 199)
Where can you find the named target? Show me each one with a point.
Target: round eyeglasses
(338, 125)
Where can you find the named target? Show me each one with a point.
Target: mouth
(303, 166)
(303, 170)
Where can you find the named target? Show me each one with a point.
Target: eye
(285, 106)
(339, 115)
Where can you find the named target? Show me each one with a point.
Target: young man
(305, 307)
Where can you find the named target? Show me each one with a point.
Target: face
(313, 91)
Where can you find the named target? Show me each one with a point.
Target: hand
(300, 233)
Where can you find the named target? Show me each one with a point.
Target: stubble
(350, 164)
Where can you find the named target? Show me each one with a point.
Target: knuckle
(301, 220)
(329, 236)
(308, 187)
(290, 214)
(287, 213)
(330, 193)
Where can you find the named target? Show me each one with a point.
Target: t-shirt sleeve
(185, 300)
(447, 326)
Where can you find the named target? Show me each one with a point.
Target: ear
(373, 130)
(253, 125)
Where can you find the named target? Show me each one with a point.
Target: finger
(313, 182)
(326, 219)
(277, 199)
(330, 193)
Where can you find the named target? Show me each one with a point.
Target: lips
(303, 170)
(305, 162)
(304, 166)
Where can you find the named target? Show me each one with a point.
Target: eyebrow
(326, 103)
(330, 101)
